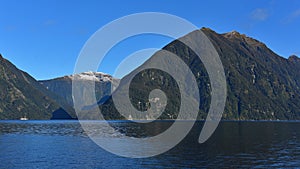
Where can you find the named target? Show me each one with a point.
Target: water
(63, 144)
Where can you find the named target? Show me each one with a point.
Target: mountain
(21, 95)
(62, 86)
(261, 85)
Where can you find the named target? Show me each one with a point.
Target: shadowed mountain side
(60, 114)
(261, 85)
(21, 95)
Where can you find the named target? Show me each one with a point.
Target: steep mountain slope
(261, 85)
(21, 95)
(62, 86)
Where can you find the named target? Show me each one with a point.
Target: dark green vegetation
(21, 95)
(261, 85)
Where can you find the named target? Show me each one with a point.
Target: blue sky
(44, 37)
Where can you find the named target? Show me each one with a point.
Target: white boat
(24, 118)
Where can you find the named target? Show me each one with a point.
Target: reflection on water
(63, 144)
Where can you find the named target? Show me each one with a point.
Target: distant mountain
(21, 95)
(261, 85)
(62, 86)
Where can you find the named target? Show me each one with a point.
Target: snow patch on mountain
(93, 76)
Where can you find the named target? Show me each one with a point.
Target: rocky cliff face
(62, 86)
